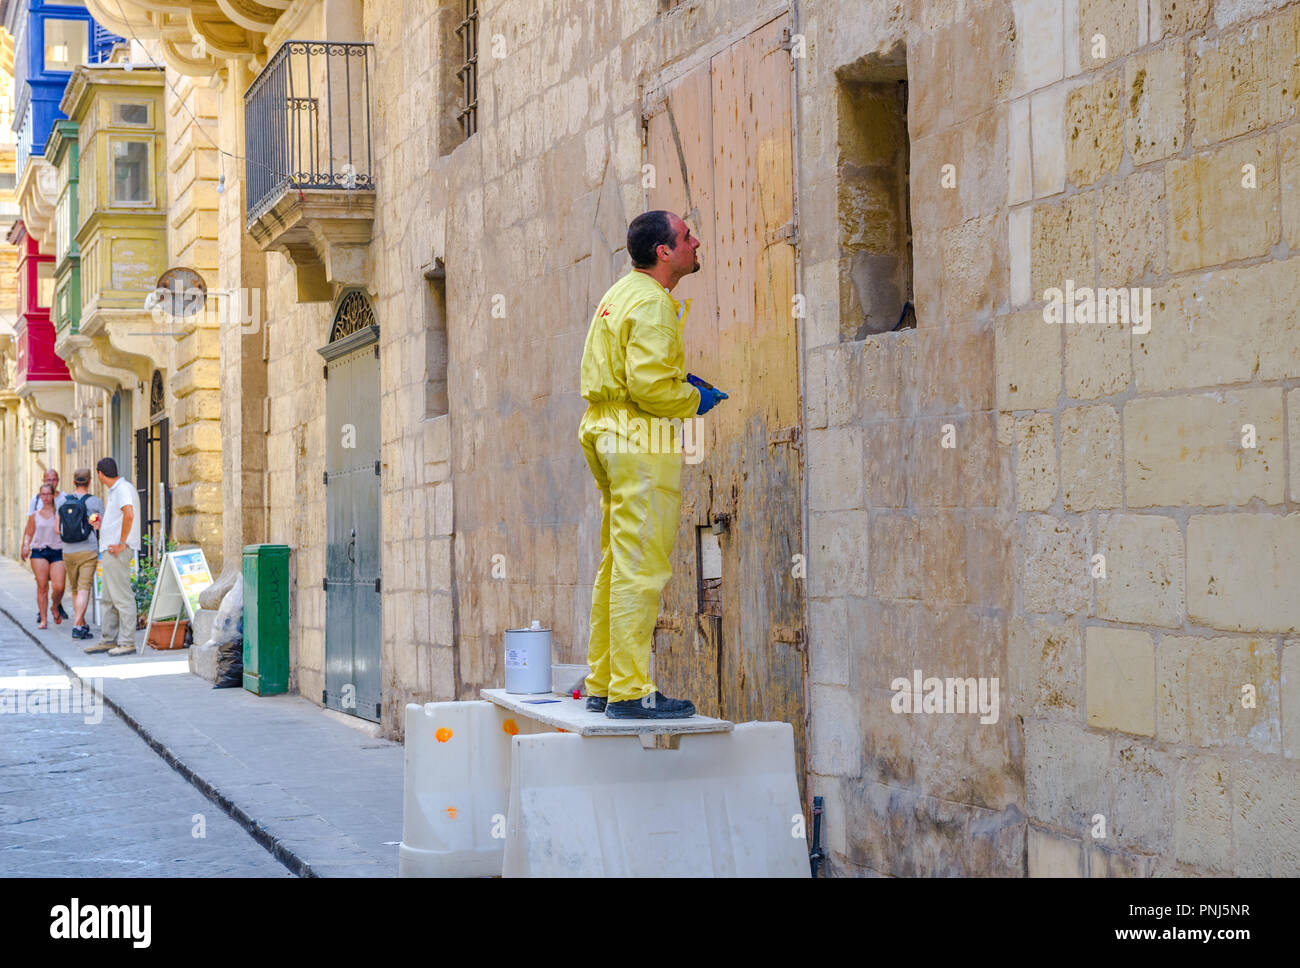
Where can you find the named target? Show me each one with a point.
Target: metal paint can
(528, 660)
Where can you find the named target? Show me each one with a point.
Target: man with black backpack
(78, 517)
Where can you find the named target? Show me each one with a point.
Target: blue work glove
(709, 394)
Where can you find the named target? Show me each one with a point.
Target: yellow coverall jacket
(634, 381)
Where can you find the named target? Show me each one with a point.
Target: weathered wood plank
(572, 715)
(744, 655)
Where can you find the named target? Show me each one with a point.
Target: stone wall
(1160, 142)
(528, 217)
(85, 441)
(908, 491)
(244, 390)
(961, 474)
(194, 383)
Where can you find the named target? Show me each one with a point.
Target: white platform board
(571, 715)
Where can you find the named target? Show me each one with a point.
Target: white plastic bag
(228, 637)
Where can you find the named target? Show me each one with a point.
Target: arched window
(353, 315)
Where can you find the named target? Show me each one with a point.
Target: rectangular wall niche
(875, 223)
(435, 340)
(710, 571)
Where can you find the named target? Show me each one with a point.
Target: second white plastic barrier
(722, 804)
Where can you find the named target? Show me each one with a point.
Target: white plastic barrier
(456, 788)
(721, 804)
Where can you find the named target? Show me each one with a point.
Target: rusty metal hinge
(786, 435)
(653, 106)
(787, 233)
(793, 44)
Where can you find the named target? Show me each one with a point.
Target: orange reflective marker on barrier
(443, 734)
(559, 730)
(510, 727)
(451, 813)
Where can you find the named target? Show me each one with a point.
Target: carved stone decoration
(354, 314)
(156, 401)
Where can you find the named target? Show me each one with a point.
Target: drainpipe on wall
(803, 421)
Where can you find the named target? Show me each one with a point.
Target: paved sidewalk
(323, 797)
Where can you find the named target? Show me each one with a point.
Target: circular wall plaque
(181, 292)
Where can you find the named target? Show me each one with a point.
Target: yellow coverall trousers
(640, 502)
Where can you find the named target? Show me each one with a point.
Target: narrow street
(81, 795)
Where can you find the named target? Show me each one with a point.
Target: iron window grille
(307, 122)
(467, 30)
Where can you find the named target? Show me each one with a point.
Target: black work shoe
(596, 704)
(654, 706)
(59, 609)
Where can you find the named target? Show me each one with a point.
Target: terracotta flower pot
(161, 634)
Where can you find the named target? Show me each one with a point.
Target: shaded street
(81, 795)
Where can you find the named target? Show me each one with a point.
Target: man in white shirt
(119, 539)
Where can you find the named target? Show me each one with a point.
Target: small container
(528, 660)
(568, 677)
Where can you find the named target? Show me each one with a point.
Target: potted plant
(164, 634)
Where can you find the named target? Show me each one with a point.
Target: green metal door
(353, 630)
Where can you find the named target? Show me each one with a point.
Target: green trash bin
(266, 619)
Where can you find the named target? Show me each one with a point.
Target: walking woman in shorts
(45, 545)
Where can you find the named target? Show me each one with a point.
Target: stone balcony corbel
(125, 342)
(325, 233)
(49, 399)
(37, 197)
(88, 367)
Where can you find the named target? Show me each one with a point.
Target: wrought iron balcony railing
(307, 123)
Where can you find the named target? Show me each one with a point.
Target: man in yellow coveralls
(634, 376)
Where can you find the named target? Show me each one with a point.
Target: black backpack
(74, 523)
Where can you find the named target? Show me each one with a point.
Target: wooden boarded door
(720, 140)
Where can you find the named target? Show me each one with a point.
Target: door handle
(352, 547)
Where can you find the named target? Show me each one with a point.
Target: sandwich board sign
(182, 578)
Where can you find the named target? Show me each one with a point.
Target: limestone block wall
(908, 492)
(243, 349)
(86, 440)
(410, 133)
(529, 217)
(194, 372)
(960, 475)
(295, 462)
(539, 203)
(22, 469)
(1159, 695)
(293, 419)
